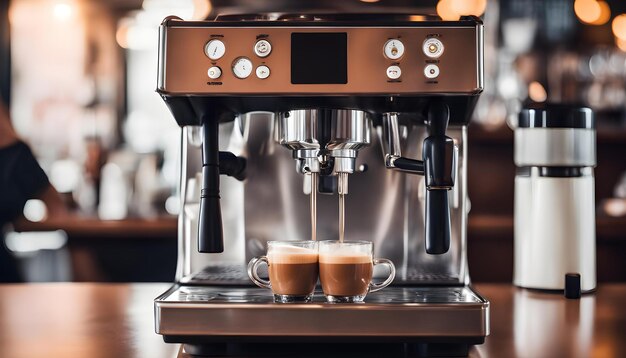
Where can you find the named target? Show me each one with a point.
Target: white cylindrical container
(555, 154)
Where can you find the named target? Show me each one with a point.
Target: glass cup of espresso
(346, 270)
(292, 267)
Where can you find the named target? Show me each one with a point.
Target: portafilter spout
(298, 130)
(349, 131)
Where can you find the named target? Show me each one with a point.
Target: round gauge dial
(393, 49)
(433, 47)
(242, 67)
(215, 49)
(262, 48)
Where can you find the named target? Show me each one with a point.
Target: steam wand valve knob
(210, 231)
(439, 163)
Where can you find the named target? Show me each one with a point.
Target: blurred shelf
(501, 227)
(490, 226)
(503, 135)
(163, 228)
(481, 226)
(612, 135)
(478, 133)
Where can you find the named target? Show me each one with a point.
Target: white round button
(215, 49)
(214, 72)
(431, 71)
(262, 72)
(262, 48)
(433, 48)
(394, 49)
(242, 67)
(394, 72)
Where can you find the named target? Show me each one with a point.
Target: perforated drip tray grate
(391, 295)
(236, 275)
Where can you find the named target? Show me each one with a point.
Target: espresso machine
(312, 126)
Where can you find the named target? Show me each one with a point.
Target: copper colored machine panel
(370, 70)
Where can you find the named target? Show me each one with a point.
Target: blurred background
(80, 78)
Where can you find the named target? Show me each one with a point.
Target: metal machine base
(410, 321)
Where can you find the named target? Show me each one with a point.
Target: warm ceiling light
(469, 7)
(605, 13)
(536, 92)
(587, 11)
(619, 26)
(446, 12)
(63, 11)
(370, 1)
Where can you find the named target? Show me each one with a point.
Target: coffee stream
(342, 216)
(343, 181)
(313, 198)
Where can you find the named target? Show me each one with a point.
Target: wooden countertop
(116, 320)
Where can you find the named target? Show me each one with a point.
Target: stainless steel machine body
(371, 122)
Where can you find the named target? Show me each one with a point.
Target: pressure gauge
(433, 47)
(215, 49)
(393, 49)
(242, 67)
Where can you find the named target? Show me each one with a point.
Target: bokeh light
(587, 11)
(619, 26)
(537, 92)
(446, 12)
(469, 7)
(35, 210)
(605, 13)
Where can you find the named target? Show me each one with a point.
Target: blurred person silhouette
(21, 179)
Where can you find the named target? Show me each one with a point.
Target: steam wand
(214, 163)
(437, 166)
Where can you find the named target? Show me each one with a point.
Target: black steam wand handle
(210, 232)
(439, 163)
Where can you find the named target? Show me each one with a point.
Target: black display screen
(319, 58)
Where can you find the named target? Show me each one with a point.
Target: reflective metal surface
(349, 129)
(298, 129)
(430, 295)
(389, 134)
(383, 206)
(393, 312)
(316, 136)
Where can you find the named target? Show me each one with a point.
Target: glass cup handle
(392, 274)
(253, 266)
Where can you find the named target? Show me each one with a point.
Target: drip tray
(398, 312)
